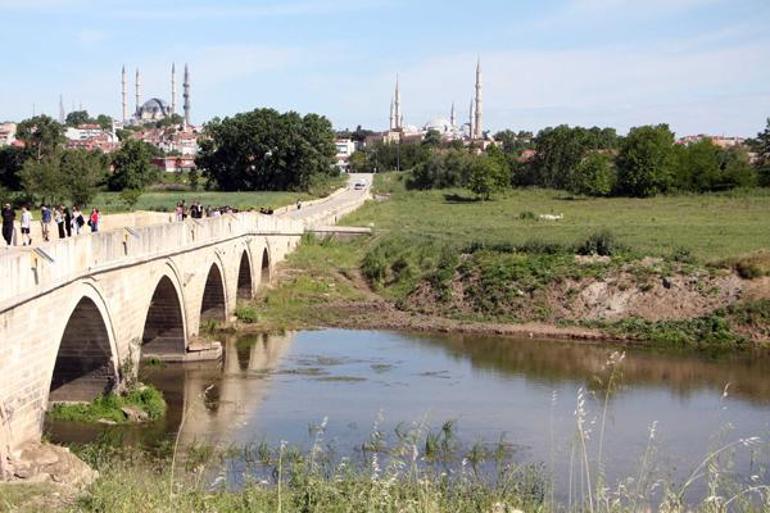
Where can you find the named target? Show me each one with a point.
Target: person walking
(8, 217)
(93, 221)
(58, 217)
(68, 221)
(26, 224)
(77, 220)
(179, 212)
(45, 221)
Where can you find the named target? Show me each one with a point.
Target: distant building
(7, 134)
(718, 140)
(91, 137)
(173, 164)
(170, 139)
(345, 148)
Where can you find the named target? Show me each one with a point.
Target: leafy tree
(360, 134)
(11, 162)
(77, 118)
(43, 179)
(84, 172)
(645, 161)
(594, 176)
(169, 121)
(487, 176)
(736, 169)
(558, 152)
(359, 163)
(133, 166)
(266, 150)
(514, 142)
(432, 138)
(104, 121)
(442, 169)
(194, 178)
(41, 135)
(761, 146)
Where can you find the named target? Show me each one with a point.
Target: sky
(702, 66)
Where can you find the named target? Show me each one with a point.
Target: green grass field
(712, 227)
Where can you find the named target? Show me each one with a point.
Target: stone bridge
(77, 315)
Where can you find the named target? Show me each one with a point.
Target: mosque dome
(154, 108)
(441, 125)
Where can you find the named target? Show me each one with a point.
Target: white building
(345, 148)
(7, 133)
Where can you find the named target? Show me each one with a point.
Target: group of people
(197, 211)
(68, 221)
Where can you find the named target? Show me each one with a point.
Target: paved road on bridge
(335, 201)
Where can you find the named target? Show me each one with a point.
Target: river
(275, 388)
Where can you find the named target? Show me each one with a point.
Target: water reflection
(554, 362)
(273, 387)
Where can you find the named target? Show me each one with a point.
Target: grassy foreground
(109, 408)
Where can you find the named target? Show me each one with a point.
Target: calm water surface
(273, 388)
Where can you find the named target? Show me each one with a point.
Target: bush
(603, 243)
(246, 314)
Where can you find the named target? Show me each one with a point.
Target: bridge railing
(29, 271)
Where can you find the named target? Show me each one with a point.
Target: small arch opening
(265, 270)
(164, 328)
(213, 303)
(245, 290)
(84, 367)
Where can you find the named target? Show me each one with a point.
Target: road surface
(336, 201)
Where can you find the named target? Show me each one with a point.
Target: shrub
(247, 314)
(593, 176)
(603, 243)
(527, 215)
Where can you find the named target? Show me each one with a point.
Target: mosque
(449, 129)
(155, 109)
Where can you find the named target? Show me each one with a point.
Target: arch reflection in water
(217, 406)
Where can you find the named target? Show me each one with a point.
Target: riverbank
(436, 263)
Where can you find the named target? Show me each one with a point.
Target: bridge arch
(245, 282)
(164, 330)
(214, 297)
(86, 362)
(264, 269)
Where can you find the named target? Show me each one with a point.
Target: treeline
(45, 171)
(587, 161)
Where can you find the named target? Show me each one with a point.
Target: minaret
(124, 94)
(397, 112)
(452, 115)
(173, 88)
(478, 125)
(392, 116)
(186, 94)
(470, 121)
(138, 91)
(62, 115)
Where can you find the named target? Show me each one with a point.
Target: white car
(359, 185)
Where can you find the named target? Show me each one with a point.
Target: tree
(41, 135)
(84, 171)
(43, 179)
(761, 146)
(594, 176)
(432, 138)
(645, 161)
(487, 176)
(133, 166)
(104, 121)
(513, 142)
(558, 151)
(266, 150)
(77, 118)
(11, 162)
(359, 163)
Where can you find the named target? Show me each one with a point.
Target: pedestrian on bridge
(26, 225)
(45, 221)
(58, 217)
(8, 217)
(93, 221)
